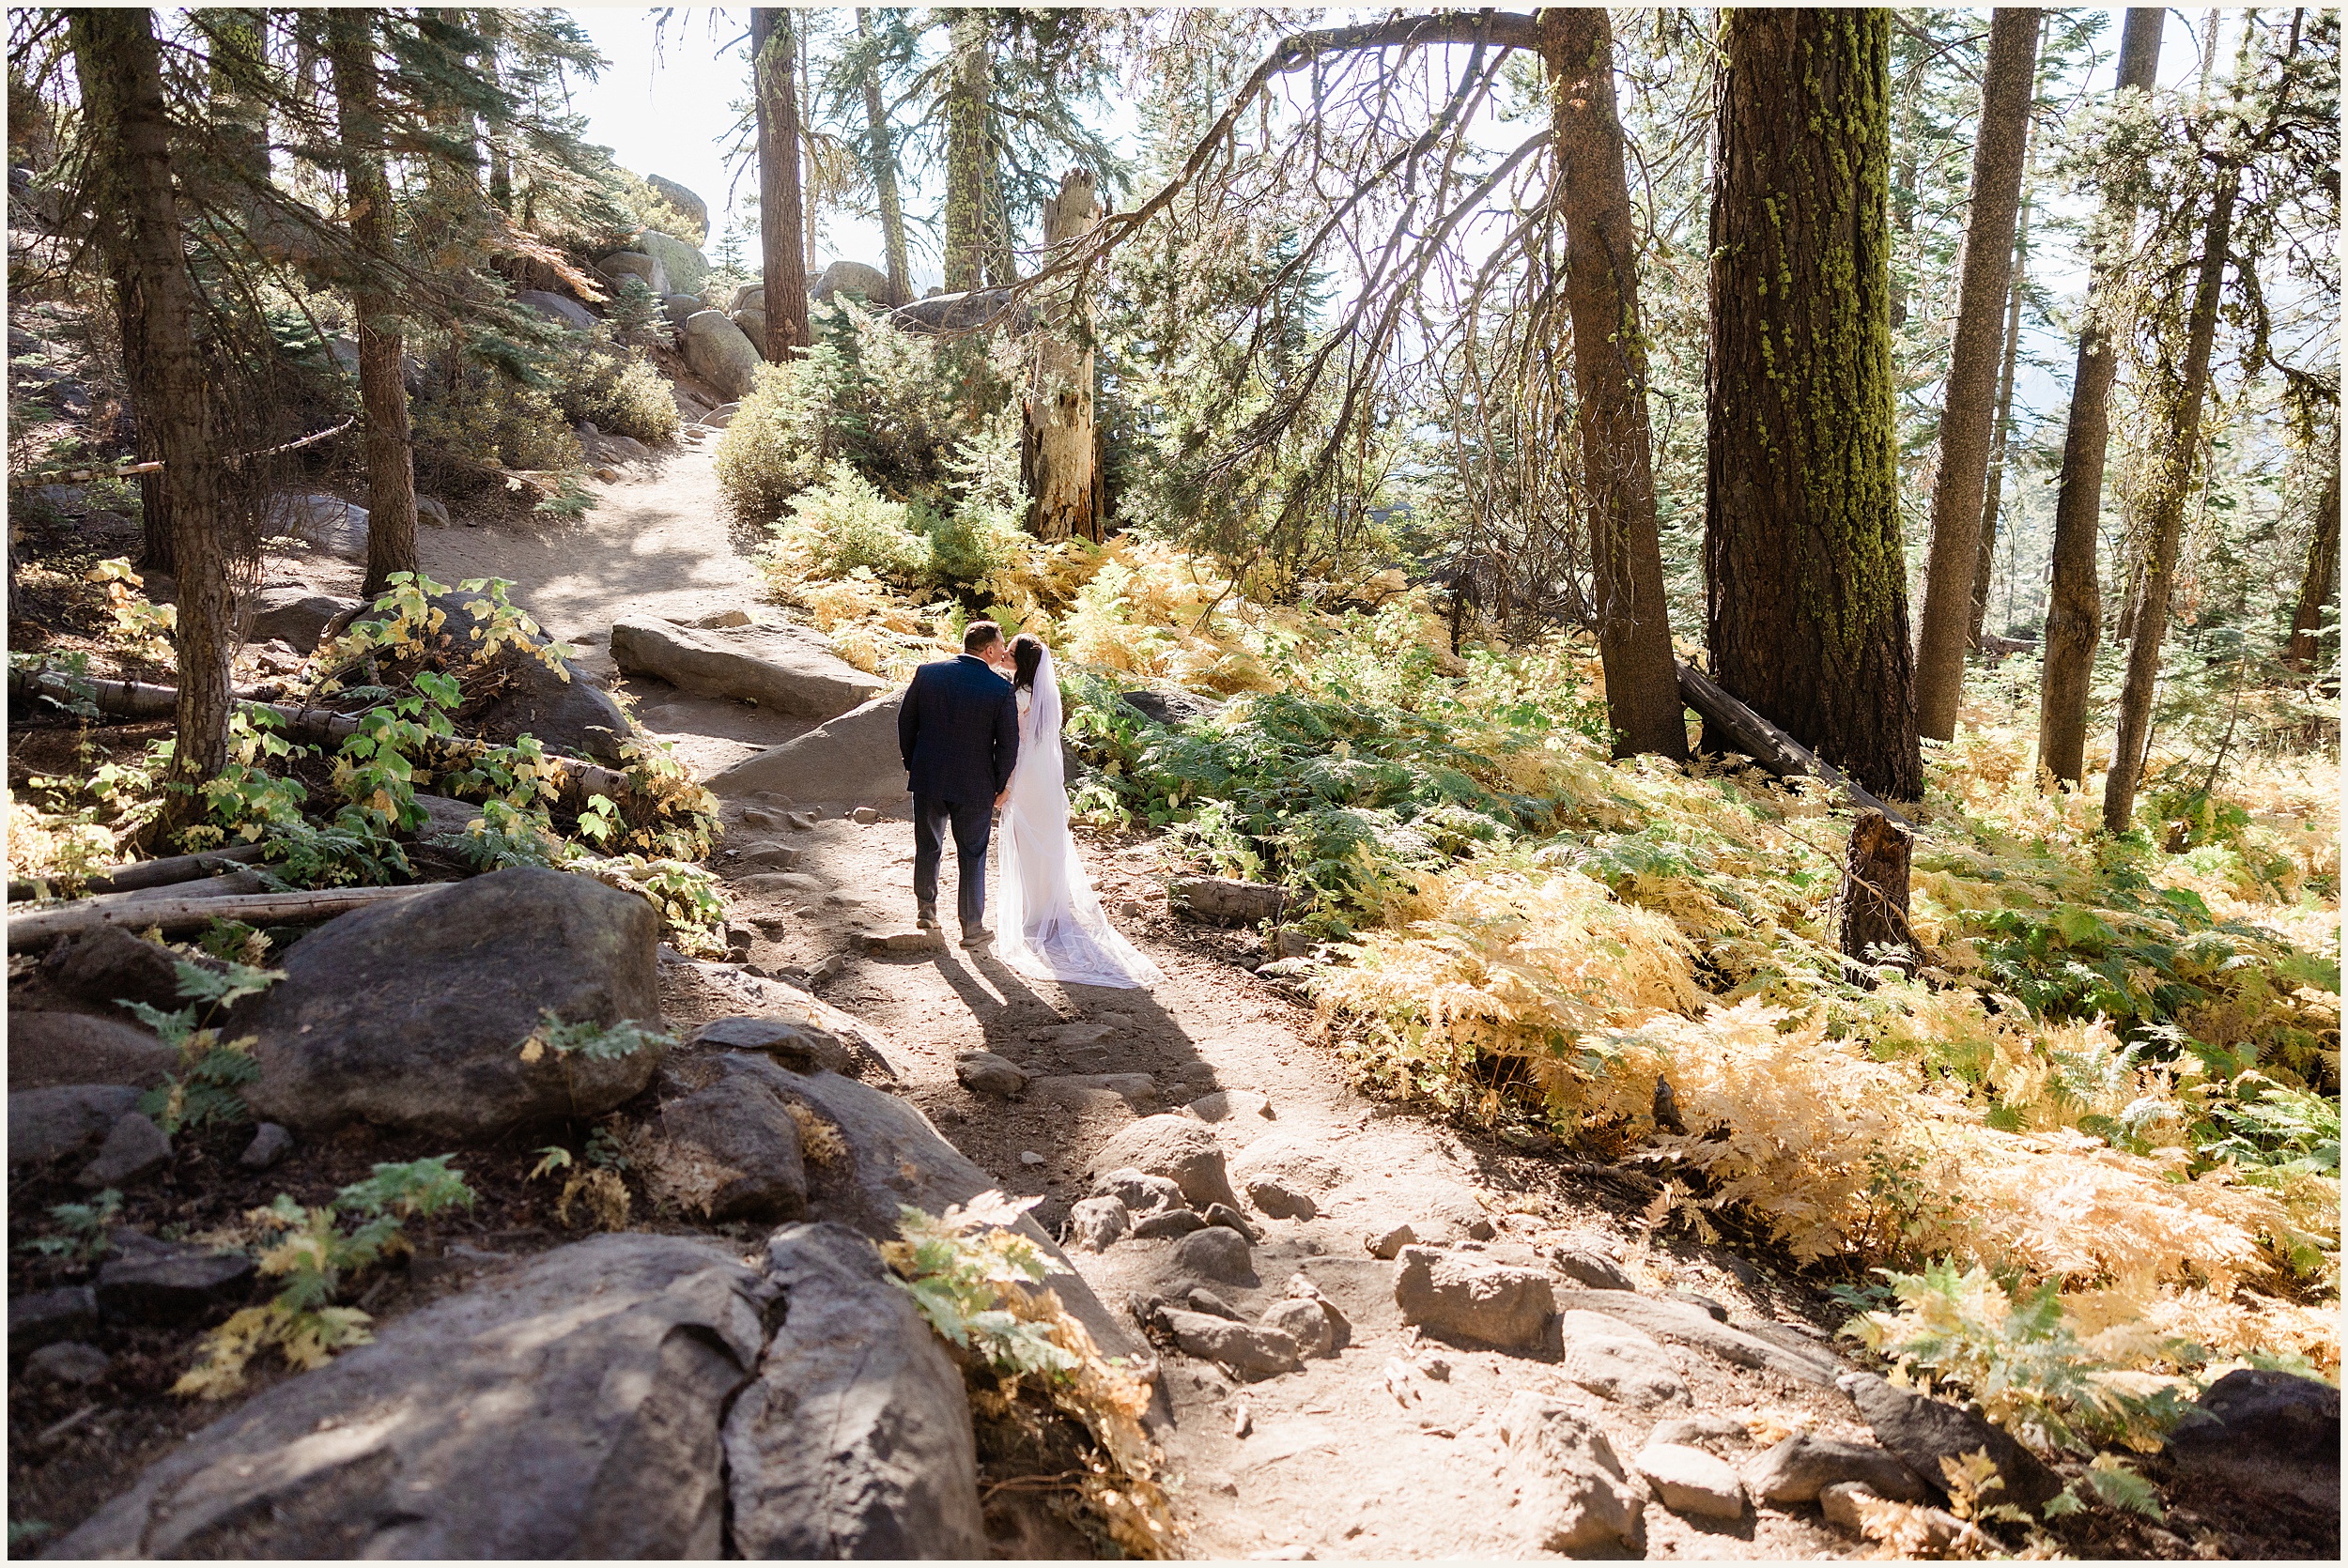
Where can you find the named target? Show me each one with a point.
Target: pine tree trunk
(1968, 399)
(2074, 608)
(1995, 495)
(1806, 589)
(2321, 579)
(884, 156)
(780, 218)
(2174, 461)
(119, 70)
(1610, 375)
(966, 151)
(1060, 435)
(391, 458)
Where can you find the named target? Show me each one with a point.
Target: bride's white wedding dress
(1048, 923)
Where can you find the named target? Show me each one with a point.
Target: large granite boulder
(557, 307)
(295, 616)
(50, 1051)
(50, 1124)
(787, 668)
(851, 277)
(752, 325)
(412, 1014)
(685, 200)
(852, 761)
(718, 352)
(622, 265)
(556, 703)
(681, 263)
(854, 1438)
(570, 1407)
(957, 313)
(326, 523)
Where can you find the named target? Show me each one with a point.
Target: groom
(959, 733)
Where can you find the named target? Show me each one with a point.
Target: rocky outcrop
(1576, 1497)
(622, 265)
(787, 668)
(571, 1408)
(1474, 1299)
(50, 1051)
(852, 1439)
(1186, 1152)
(412, 1014)
(555, 703)
(326, 523)
(684, 199)
(1681, 1323)
(731, 1151)
(988, 308)
(852, 761)
(718, 352)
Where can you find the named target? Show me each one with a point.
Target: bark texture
(2075, 596)
(1610, 375)
(966, 150)
(118, 67)
(1804, 579)
(391, 458)
(1873, 899)
(1994, 496)
(1968, 399)
(1060, 440)
(781, 216)
(881, 150)
(2321, 581)
(2175, 460)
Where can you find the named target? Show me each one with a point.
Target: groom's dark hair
(979, 635)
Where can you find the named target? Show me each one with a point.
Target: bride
(1049, 923)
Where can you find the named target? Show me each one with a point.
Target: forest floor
(1389, 1448)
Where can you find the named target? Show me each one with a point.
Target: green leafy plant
(316, 1252)
(85, 1229)
(959, 1266)
(204, 1092)
(594, 1042)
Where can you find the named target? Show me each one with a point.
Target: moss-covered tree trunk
(1805, 584)
(781, 217)
(2075, 608)
(2176, 459)
(880, 149)
(1969, 395)
(1059, 440)
(2321, 582)
(1610, 374)
(382, 397)
(1994, 496)
(118, 69)
(966, 90)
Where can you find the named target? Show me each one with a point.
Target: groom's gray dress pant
(972, 827)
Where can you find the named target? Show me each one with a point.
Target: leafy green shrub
(316, 1255)
(616, 390)
(638, 316)
(843, 525)
(482, 414)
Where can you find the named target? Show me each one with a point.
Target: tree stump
(1873, 899)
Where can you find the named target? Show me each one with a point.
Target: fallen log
(44, 926)
(165, 873)
(1765, 742)
(576, 778)
(1218, 899)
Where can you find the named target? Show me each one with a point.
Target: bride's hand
(1000, 799)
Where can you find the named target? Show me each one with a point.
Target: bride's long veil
(1048, 923)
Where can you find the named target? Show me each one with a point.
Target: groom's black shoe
(976, 937)
(926, 918)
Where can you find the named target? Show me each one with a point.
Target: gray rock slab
(1471, 1298)
(49, 1317)
(1318, 1327)
(412, 1014)
(48, 1050)
(1167, 1222)
(1252, 1350)
(174, 1285)
(1184, 1151)
(1683, 1324)
(1691, 1481)
(1804, 1464)
(49, 1124)
(1576, 1496)
(851, 277)
(135, 1150)
(2263, 1434)
(787, 668)
(1097, 1091)
(850, 760)
(983, 1073)
(1611, 1358)
(271, 1143)
(1095, 1224)
(852, 1439)
(556, 307)
(1922, 1432)
(570, 1407)
(1591, 1271)
(295, 616)
(794, 1043)
(720, 354)
(732, 1150)
(110, 966)
(686, 268)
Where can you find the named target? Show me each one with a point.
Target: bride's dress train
(1048, 923)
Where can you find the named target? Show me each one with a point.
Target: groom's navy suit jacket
(958, 732)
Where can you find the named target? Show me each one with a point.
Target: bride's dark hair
(1027, 656)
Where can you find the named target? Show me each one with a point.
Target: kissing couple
(980, 732)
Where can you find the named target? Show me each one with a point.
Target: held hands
(1000, 798)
